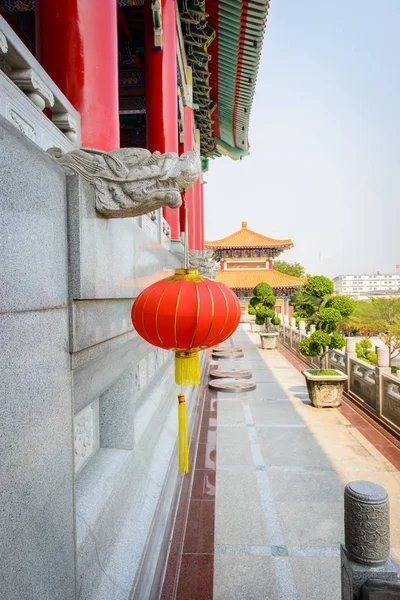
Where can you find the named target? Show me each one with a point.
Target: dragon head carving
(133, 181)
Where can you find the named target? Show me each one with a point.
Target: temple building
(246, 258)
(110, 113)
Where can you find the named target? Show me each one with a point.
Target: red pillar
(162, 91)
(201, 211)
(77, 44)
(189, 199)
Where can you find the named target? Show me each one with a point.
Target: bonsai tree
(261, 305)
(316, 305)
(364, 352)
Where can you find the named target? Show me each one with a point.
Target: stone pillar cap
(244, 224)
(367, 492)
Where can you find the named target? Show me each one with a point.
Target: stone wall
(37, 471)
(88, 417)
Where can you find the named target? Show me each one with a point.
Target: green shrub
(262, 290)
(337, 341)
(276, 321)
(320, 337)
(365, 344)
(310, 348)
(251, 310)
(364, 353)
(254, 301)
(343, 304)
(318, 286)
(269, 301)
(330, 318)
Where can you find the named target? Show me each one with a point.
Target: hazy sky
(324, 167)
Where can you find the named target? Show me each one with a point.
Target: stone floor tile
(320, 486)
(311, 523)
(317, 578)
(290, 446)
(238, 513)
(244, 578)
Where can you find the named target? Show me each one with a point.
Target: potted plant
(316, 304)
(270, 335)
(260, 306)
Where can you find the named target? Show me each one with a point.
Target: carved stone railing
(373, 386)
(149, 224)
(337, 360)
(363, 382)
(165, 232)
(390, 403)
(26, 90)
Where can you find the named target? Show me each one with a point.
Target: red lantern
(186, 313)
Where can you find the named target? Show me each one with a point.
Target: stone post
(302, 326)
(313, 328)
(293, 323)
(365, 553)
(286, 319)
(381, 369)
(350, 353)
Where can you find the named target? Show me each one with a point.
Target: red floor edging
(190, 568)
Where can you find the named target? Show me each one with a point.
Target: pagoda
(246, 258)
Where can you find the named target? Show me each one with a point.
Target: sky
(324, 168)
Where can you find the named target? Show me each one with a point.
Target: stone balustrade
(373, 386)
(363, 382)
(26, 90)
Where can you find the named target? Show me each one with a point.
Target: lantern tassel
(183, 449)
(187, 368)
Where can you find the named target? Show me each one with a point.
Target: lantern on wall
(186, 313)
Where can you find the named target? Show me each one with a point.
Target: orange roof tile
(245, 238)
(249, 278)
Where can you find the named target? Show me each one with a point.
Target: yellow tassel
(183, 448)
(187, 368)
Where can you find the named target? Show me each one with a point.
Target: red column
(201, 212)
(162, 91)
(189, 199)
(77, 44)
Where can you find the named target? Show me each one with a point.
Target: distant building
(358, 285)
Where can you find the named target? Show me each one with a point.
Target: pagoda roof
(246, 238)
(249, 278)
(235, 59)
(223, 41)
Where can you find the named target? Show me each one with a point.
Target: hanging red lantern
(186, 313)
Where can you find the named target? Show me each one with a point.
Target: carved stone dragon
(203, 261)
(133, 181)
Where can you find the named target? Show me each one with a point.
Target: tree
(381, 313)
(312, 297)
(315, 303)
(294, 269)
(261, 305)
(392, 341)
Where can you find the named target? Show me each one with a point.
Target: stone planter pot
(256, 328)
(268, 340)
(325, 391)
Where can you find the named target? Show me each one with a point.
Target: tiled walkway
(281, 467)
